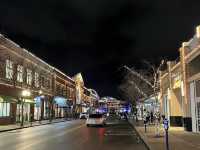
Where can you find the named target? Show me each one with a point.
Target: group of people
(151, 118)
(154, 118)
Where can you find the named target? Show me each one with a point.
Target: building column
(187, 119)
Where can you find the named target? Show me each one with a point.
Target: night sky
(99, 36)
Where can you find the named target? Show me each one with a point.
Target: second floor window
(37, 80)
(20, 73)
(48, 83)
(9, 69)
(29, 77)
(42, 81)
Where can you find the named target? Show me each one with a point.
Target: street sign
(166, 124)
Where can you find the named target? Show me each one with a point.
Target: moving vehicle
(96, 119)
(83, 115)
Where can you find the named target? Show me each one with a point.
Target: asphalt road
(72, 135)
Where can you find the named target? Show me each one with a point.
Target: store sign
(61, 101)
(177, 84)
(176, 81)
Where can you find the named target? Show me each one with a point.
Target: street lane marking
(25, 147)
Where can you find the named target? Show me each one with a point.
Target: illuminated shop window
(29, 77)
(9, 69)
(4, 109)
(20, 73)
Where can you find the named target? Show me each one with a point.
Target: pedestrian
(152, 117)
(157, 123)
(148, 117)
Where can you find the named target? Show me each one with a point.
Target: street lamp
(25, 94)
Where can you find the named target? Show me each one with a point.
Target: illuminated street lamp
(40, 92)
(25, 94)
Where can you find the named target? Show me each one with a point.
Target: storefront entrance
(60, 105)
(26, 112)
(166, 107)
(195, 105)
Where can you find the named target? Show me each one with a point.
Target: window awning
(60, 101)
(7, 99)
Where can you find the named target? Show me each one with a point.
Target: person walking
(157, 123)
(152, 117)
(148, 117)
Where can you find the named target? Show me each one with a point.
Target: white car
(95, 119)
(83, 116)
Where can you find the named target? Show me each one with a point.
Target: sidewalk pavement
(178, 138)
(4, 128)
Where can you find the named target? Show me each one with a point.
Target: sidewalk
(178, 138)
(4, 128)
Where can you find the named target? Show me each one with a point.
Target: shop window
(47, 83)
(9, 69)
(194, 66)
(20, 73)
(29, 77)
(198, 88)
(4, 109)
(37, 80)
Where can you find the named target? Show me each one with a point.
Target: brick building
(51, 93)
(21, 70)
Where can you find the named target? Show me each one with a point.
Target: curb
(19, 128)
(140, 136)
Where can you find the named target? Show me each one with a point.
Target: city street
(72, 135)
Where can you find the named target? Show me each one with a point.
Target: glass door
(18, 113)
(197, 97)
(198, 114)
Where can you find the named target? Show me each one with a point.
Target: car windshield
(95, 116)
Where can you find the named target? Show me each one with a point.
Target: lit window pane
(1, 108)
(4, 110)
(9, 69)
(8, 109)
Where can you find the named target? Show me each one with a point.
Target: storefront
(42, 108)
(7, 110)
(60, 107)
(166, 106)
(37, 108)
(28, 110)
(195, 105)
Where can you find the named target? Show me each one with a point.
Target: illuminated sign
(176, 80)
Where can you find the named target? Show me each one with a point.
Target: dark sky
(97, 37)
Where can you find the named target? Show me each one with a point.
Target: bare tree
(141, 84)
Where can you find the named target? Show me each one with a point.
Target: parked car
(83, 115)
(96, 119)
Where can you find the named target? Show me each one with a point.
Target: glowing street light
(40, 92)
(26, 93)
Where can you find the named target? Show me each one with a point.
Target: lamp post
(25, 94)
